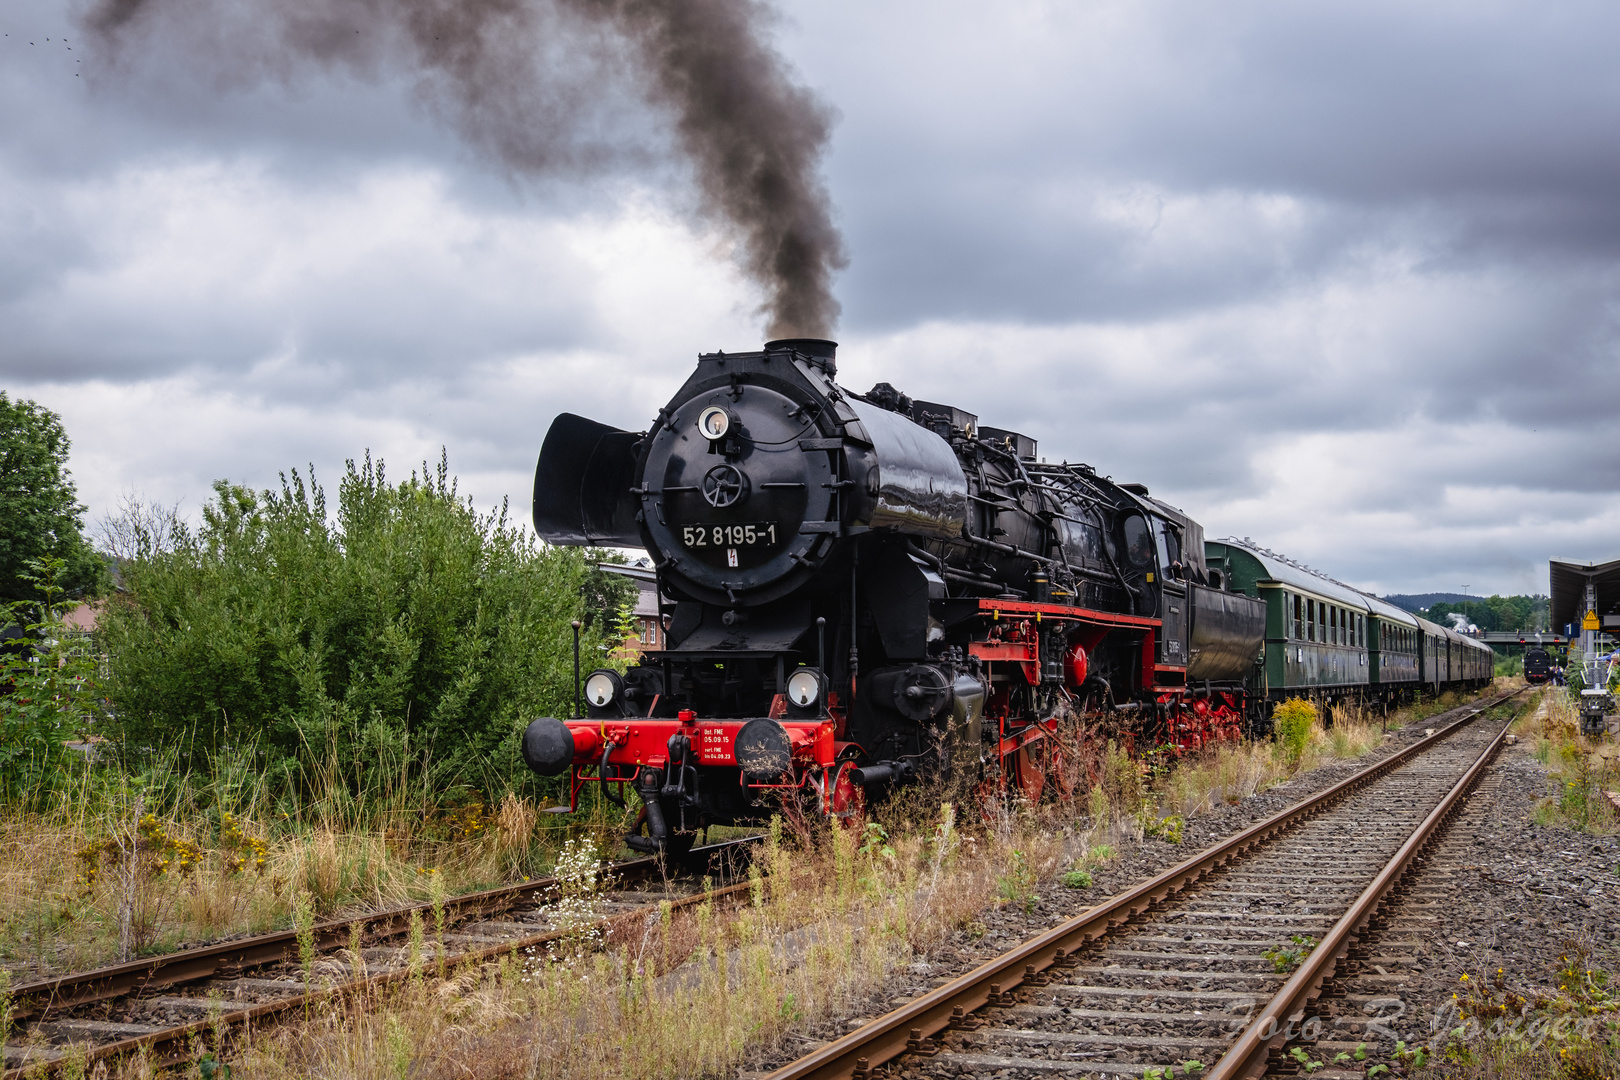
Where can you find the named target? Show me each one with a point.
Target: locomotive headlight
(601, 688)
(804, 687)
(714, 422)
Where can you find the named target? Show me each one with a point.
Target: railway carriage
(1316, 628)
(1327, 640)
(1392, 652)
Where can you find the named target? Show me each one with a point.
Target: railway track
(163, 1004)
(1225, 960)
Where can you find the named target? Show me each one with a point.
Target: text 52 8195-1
(696, 536)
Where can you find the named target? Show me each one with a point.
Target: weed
(1293, 722)
(1168, 1072)
(397, 1039)
(1077, 879)
(414, 942)
(436, 900)
(875, 842)
(1169, 829)
(1017, 885)
(574, 912)
(1098, 806)
(1288, 957)
(1304, 1060)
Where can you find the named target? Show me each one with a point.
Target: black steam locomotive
(862, 588)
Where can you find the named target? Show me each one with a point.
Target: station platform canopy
(1567, 579)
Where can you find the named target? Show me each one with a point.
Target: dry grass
(1229, 773)
(79, 873)
(1579, 769)
(692, 993)
(834, 914)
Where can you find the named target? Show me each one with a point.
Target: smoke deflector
(582, 484)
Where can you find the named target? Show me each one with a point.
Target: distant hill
(1417, 602)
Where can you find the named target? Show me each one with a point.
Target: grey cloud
(1339, 276)
(1482, 136)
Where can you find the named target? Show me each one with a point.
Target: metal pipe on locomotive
(862, 590)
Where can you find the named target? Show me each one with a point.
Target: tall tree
(40, 514)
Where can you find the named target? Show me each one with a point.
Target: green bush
(407, 628)
(49, 696)
(1292, 722)
(40, 515)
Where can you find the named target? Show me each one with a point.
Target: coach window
(1321, 621)
(1299, 616)
(1310, 620)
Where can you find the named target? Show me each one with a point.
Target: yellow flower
(1463, 979)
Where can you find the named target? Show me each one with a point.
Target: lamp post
(575, 625)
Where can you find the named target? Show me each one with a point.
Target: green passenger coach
(1327, 640)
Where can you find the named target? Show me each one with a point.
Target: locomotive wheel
(1028, 771)
(846, 802)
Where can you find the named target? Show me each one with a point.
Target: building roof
(1568, 578)
(646, 584)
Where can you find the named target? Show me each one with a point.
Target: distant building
(649, 622)
(1586, 600)
(81, 619)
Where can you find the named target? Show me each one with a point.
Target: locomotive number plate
(758, 534)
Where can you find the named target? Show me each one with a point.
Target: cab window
(1169, 544)
(1138, 544)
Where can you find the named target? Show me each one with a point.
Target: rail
(910, 1027)
(40, 999)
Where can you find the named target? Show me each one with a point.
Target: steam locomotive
(865, 589)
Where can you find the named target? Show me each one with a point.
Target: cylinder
(880, 773)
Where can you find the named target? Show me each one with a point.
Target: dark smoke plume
(536, 83)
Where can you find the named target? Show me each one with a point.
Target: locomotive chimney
(819, 351)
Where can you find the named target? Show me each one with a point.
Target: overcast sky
(1341, 277)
